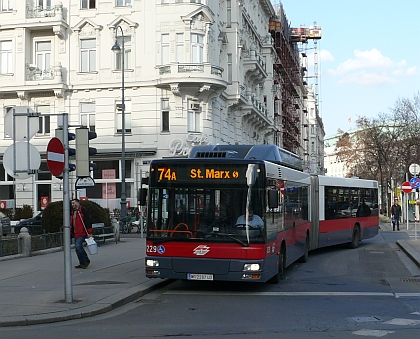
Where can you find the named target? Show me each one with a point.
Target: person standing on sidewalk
(81, 227)
(395, 215)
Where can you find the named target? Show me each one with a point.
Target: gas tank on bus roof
(271, 153)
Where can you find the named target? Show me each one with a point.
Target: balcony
(38, 17)
(33, 73)
(190, 74)
(40, 12)
(255, 64)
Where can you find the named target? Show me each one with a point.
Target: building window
(7, 5)
(180, 47)
(197, 47)
(228, 13)
(229, 68)
(88, 4)
(127, 53)
(88, 55)
(6, 57)
(87, 115)
(127, 116)
(165, 49)
(122, 3)
(43, 58)
(44, 4)
(165, 114)
(44, 121)
(193, 121)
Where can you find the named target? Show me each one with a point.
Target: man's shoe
(78, 266)
(86, 264)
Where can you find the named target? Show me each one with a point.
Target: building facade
(195, 72)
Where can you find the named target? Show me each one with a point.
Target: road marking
(293, 294)
(402, 322)
(373, 333)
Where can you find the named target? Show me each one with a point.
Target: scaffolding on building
(289, 79)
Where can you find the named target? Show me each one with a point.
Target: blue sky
(368, 57)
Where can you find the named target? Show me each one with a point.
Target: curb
(99, 307)
(411, 253)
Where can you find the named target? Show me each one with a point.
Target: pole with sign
(406, 188)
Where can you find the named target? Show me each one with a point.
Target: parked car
(32, 224)
(5, 224)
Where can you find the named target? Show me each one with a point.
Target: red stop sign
(55, 157)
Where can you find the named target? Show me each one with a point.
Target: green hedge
(52, 217)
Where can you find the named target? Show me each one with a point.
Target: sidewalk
(411, 247)
(33, 288)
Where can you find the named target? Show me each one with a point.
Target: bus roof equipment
(270, 153)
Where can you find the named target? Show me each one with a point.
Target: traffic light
(59, 133)
(83, 151)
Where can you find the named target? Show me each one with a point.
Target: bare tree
(382, 148)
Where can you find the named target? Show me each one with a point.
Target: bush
(52, 218)
(24, 212)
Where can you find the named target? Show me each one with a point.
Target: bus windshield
(226, 215)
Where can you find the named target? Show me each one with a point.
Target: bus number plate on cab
(195, 276)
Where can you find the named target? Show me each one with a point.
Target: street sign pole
(407, 188)
(66, 214)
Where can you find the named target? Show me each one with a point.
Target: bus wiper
(230, 236)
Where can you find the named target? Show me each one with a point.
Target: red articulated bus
(246, 212)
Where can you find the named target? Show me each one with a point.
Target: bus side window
(273, 199)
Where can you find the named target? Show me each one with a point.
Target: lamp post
(116, 48)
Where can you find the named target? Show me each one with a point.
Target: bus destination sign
(201, 173)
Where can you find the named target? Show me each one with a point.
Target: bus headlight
(152, 263)
(252, 267)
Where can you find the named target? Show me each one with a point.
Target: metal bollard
(24, 242)
(116, 226)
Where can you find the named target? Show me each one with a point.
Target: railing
(259, 105)
(39, 12)
(217, 71)
(252, 55)
(10, 245)
(191, 68)
(165, 70)
(34, 73)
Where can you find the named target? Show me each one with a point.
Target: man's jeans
(80, 251)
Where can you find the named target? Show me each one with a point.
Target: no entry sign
(406, 187)
(55, 157)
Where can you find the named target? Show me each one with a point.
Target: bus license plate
(195, 276)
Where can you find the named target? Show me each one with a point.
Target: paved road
(33, 288)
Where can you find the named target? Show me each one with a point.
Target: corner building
(195, 72)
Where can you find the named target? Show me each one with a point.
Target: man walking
(395, 215)
(81, 227)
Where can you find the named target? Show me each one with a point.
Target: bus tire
(276, 279)
(355, 239)
(304, 257)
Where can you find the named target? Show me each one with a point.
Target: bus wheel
(304, 257)
(276, 279)
(355, 239)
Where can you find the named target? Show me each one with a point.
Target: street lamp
(117, 49)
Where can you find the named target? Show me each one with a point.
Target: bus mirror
(141, 197)
(273, 199)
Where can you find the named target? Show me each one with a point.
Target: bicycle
(125, 225)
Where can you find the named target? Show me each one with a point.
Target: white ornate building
(196, 71)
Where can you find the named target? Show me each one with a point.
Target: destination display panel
(166, 173)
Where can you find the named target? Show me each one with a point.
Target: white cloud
(371, 68)
(367, 79)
